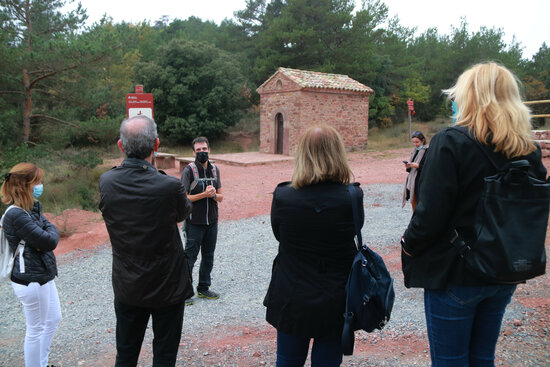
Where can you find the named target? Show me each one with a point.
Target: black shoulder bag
(369, 289)
(510, 225)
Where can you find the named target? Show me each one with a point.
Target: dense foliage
(64, 84)
(198, 89)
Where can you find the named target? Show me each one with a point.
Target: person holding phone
(414, 167)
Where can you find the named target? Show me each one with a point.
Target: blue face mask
(37, 190)
(420, 147)
(454, 107)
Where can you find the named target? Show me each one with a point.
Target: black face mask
(202, 157)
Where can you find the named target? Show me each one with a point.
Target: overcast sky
(528, 20)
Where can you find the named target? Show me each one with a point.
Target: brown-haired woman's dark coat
(315, 230)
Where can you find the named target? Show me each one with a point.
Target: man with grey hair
(141, 208)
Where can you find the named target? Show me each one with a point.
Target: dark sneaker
(189, 301)
(208, 294)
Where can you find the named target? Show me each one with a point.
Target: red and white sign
(139, 104)
(410, 104)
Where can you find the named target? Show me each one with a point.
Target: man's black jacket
(141, 208)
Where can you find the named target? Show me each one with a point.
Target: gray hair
(138, 135)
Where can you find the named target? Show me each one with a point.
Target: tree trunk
(27, 106)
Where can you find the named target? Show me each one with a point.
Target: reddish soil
(247, 193)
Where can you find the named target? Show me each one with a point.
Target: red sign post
(139, 103)
(410, 105)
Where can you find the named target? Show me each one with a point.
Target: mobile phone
(406, 162)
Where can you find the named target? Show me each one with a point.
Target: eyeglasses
(416, 134)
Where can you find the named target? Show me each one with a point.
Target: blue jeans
(292, 351)
(201, 238)
(464, 323)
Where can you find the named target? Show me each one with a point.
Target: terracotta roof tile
(314, 79)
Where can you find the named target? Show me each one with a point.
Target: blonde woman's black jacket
(314, 227)
(141, 208)
(451, 185)
(41, 238)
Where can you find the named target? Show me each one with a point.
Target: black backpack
(369, 289)
(510, 225)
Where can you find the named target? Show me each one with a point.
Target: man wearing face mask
(202, 183)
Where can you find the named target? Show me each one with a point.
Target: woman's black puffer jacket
(40, 238)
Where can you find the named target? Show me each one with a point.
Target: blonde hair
(320, 157)
(489, 103)
(17, 186)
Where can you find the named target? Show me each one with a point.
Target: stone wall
(543, 138)
(347, 112)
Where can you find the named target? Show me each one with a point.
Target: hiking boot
(208, 294)
(189, 301)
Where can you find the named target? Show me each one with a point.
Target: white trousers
(42, 314)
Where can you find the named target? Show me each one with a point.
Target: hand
(412, 165)
(402, 242)
(210, 191)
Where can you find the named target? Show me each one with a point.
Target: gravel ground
(232, 331)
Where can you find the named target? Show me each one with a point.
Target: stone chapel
(292, 100)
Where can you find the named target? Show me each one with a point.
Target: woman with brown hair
(463, 311)
(414, 167)
(35, 266)
(312, 219)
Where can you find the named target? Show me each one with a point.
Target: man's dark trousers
(130, 330)
(203, 238)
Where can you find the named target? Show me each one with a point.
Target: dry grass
(397, 136)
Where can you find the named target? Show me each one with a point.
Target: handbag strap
(348, 335)
(355, 208)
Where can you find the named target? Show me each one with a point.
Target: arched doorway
(279, 122)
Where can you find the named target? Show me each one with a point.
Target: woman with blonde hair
(312, 219)
(463, 312)
(35, 266)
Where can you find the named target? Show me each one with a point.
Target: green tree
(442, 58)
(537, 81)
(308, 34)
(198, 89)
(41, 48)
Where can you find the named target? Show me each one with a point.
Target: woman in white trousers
(32, 238)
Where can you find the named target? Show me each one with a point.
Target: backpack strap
(214, 173)
(461, 246)
(21, 245)
(355, 208)
(6, 212)
(464, 131)
(195, 176)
